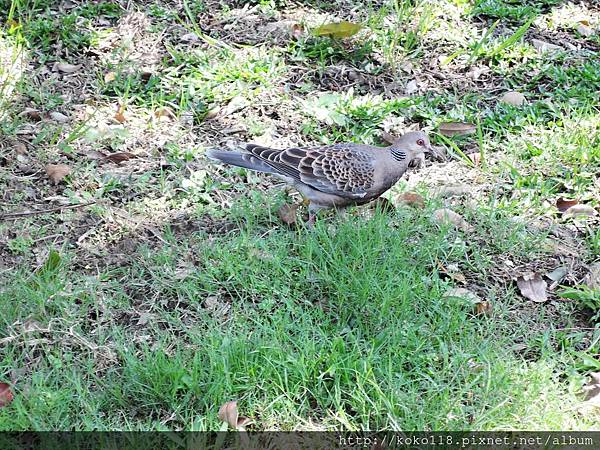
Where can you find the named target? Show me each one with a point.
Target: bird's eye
(420, 142)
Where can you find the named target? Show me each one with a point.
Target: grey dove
(333, 176)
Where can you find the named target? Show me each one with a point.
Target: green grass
(348, 326)
(180, 289)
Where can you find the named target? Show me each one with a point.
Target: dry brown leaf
(119, 157)
(66, 67)
(513, 98)
(483, 309)
(110, 76)
(120, 114)
(229, 413)
(57, 172)
(564, 204)
(453, 272)
(287, 214)
(6, 395)
(31, 113)
(297, 30)
(456, 128)
(20, 148)
(212, 113)
(533, 287)
(410, 199)
(445, 216)
(164, 112)
(580, 210)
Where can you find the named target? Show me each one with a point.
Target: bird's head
(416, 142)
(411, 145)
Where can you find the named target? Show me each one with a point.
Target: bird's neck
(399, 155)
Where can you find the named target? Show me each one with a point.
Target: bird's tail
(245, 160)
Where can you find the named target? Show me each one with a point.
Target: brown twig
(43, 211)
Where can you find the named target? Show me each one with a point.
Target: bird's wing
(339, 169)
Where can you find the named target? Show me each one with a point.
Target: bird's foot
(312, 219)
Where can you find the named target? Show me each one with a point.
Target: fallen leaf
(453, 272)
(297, 30)
(189, 38)
(120, 114)
(31, 113)
(109, 76)
(457, 190)
(164, 112)
(57, 172)
(59, 117)
(593, 278)
(558, 273)
(410, 199)
(483, 308)
(563, 204)
(584, 30)
(228, 413)
(545, 46)
(445, 216)
(287, 214)
(212, 113)
(94, 154)
(513, 98)
(66, 67)
(463, 293)
(339, 30)
(20, 148)
(580, 210)
(6, 396)
(456, 128)
(119, 157)
(533, 287)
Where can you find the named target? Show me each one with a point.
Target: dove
(333, 176)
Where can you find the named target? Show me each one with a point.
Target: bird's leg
(312, 215)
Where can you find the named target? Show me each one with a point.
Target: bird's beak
(435, 152)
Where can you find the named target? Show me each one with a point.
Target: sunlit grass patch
(221, 76)
(567, 16)
(13, 63)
